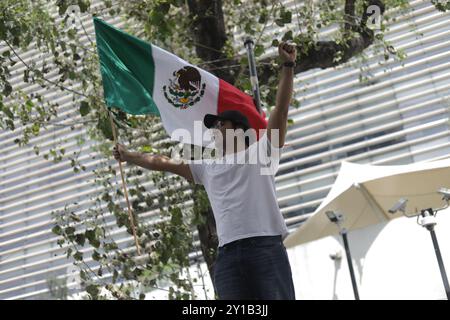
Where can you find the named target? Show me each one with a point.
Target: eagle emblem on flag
(185, 88)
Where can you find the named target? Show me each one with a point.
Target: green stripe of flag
(127, 68)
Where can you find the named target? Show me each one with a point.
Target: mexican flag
(141, 78)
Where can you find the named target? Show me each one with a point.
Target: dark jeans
(254, 268)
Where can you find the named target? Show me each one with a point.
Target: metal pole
(440, 261)
(429, 221)
(350, 264)
(249, 45)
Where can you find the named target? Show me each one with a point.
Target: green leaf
(105, 127)
(92, 290)
(90, 235)
(57, 230)
(84, 5)
(70, 230)
(78, 256)
(146, 148)
(8, 113)
(263, 17)
(156, 17)
(69, 252)
(106, 197)
(29, 105)
(177, 216)
(80, 239)
(287, 17)
(115, 276)
(35, 128)
(279, 22)
(287, 36)
(71, 34)
(98, 232)
(259, 50)
(164, 7)
(62, 7)
(96, 256)
(110, 246)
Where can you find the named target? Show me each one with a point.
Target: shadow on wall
(360, 242)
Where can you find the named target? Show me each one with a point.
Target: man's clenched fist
(287, 52)
(120, 152)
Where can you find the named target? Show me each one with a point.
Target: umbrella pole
(429, 222)
(440, 262)
(350, 263)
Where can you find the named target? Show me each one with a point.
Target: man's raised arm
(279, 115)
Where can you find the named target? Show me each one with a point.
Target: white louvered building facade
(401, 116)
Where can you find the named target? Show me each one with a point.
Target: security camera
(446, 193)
(336, 256)
(399, 206)
(334, 216)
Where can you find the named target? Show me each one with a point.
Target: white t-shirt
(242, 192)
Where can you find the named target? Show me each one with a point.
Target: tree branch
(326, 54)
(209, 34)
(43, 78)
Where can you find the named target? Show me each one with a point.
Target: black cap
(235, 116)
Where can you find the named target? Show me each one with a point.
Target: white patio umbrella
(363, 194)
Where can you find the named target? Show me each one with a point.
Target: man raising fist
(252, 262)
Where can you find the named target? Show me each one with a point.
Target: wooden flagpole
(124, 184)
